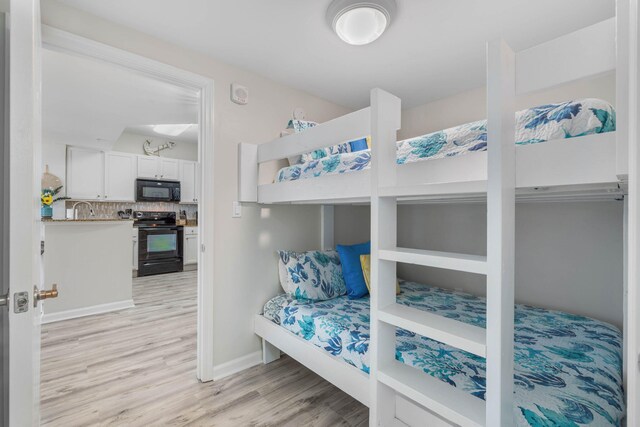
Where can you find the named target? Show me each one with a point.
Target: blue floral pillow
(302, 125)
(313, 275)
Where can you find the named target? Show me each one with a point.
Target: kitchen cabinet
(119, 177)
(96, 175)
(189, 182)
(190, 247)
(85, 174)
(170, 169)
(158, 168)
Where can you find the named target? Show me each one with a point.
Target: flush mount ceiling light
(171, 130)
(360, 22)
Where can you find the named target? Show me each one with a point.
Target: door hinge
(4, 299)
(202, 248)
(41, 247)
(21, 302)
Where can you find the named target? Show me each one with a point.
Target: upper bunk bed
(588, 162)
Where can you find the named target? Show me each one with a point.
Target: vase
(46, 211)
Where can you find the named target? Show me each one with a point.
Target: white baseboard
(86, 311)
(236, 365)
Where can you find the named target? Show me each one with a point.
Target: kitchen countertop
(86, 220)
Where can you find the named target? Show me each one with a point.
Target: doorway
(172, 315)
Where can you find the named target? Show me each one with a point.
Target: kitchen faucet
(75, 209)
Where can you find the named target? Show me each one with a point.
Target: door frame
(63, 41)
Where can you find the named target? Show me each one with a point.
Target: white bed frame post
(500, 232)
(632, 332)
(385, 121)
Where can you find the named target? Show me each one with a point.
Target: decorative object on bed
(352, 269)
(535, 125)
(359, 144)
(321, 153)
(283, 276)
(568, 368)
(313, 275)
(365, 262)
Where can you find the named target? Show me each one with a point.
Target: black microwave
(153, 190)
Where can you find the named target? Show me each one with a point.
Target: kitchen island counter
(90, 261)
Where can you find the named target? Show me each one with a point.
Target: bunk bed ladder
(390, 378)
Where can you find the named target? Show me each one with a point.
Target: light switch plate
(237, 210)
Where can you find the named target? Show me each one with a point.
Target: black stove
(160, 243)
(154, 219)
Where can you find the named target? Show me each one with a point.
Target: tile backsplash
(105, 210)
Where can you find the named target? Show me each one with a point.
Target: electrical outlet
(237, 210)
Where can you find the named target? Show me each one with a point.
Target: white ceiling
(434, 48)
(90, 103)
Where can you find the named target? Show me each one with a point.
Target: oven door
(156, 243)
(157, 191)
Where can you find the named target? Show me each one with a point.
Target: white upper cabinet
(169, 169)
(119, 176)
(158, 168)
(148, 167)
(85, 174)
(188, 182)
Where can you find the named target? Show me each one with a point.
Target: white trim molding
(62, 41)
(87, 311)
(237, 365)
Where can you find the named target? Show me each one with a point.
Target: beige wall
(568, 255)
(245, 263)
(471, 106)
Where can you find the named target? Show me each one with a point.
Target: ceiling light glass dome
(360, 22)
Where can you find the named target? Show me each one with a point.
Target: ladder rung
(446, 260)
(470, 338)
(449, 402)
(435, 189)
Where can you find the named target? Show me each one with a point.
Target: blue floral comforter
(539, 124)
(568, 368)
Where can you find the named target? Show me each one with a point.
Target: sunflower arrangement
(48, 198)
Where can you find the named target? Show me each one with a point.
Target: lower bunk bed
(568, 368)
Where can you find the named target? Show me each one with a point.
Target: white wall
(245, 263)
(130, 142)
(568, 255)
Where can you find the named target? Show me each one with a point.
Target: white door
(169, 169)
(119, 176)
(85, 174)
(24, 223)
(148, 167)
(188, 182)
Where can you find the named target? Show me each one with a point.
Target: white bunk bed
(594, 166)
(546, 170)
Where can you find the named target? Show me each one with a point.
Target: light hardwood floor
(137, 368)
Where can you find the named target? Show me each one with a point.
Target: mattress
(568, 368)
(535, 125)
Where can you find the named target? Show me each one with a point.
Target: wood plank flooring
(136, 367)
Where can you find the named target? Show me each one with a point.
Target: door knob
(39, 295)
